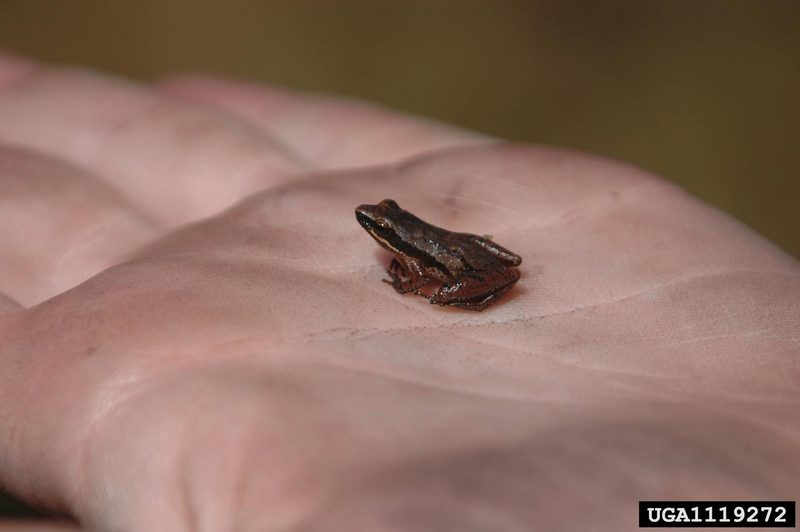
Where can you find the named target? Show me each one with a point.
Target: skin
(193, 335)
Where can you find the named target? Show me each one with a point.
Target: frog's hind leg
(407, 275)
(508, 258)
(478, 303)
(470, 292)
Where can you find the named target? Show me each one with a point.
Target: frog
(474, 271)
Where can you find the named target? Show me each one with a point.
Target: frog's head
(379, 221)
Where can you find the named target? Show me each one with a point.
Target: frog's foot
(406, 277)
(397, 277)
(403, 286)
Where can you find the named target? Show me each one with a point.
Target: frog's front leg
(476, 290)
(405, 266)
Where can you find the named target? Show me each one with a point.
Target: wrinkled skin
(195, 336)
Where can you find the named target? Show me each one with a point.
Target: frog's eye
(383, 223)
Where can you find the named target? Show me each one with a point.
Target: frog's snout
(365, 215)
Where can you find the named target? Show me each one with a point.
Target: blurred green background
(704, 93)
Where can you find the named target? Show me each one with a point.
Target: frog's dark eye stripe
(382, 222)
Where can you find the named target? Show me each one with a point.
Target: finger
(330, 132)
(13, 69)
(7, 304)
(61, 226)
(175, 159)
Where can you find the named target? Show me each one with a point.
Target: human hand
(168, 362)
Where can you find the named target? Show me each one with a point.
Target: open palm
(195, 335)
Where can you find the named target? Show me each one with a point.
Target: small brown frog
(473, 270)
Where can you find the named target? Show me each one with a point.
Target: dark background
(705, 93)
